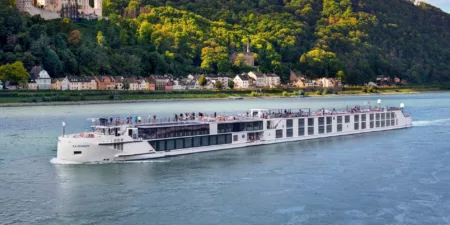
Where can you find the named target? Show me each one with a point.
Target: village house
(56, 84)
(105, 83)
(32, 85)
(118, 82)
(272, 80)
(151, 85)
(259, 78)
(224, 79)
(160, 81)
(169, 86)
(383, 80)
(131, 84)
(242, 81)
(142, 85)
(82, 83)
(326, 82)
(177, 85)
(41, 78)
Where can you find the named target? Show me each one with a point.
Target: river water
(393, 177)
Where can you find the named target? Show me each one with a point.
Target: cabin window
(321, 121)
(392, 115)
(161, 146)
(371, 124)
(383, 116)
(329, 128)
(321, 129)
(310, 130)
(339, 127)
(363, 117)
(289, 133)
(213, 140)
(170, 144)
(329, 120)
(179, 143)
(301, 122)
(221, 139)
(301, 127)
(310, 122)
(371, 117)
(363, 125)
(392, 122)
(249, 126)
(197, 142)
(235, 138)
(301, 131)
(339, 119)
(258, 125)
(228, 139)
(188, 142)
(378, 116)
(289, 123)
(356, 126)
(205, 141)
(347, 119)
(382, 123)
(388, 123)
(377, 123)
(269, 124)
(77, 152)
(356, 118)
(279, 134)
(388, 116)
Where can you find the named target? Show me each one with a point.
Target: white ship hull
(111, 148)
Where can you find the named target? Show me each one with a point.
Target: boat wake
(439, 122)
(62, 162)
(65, 162)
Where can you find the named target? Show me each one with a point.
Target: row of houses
(301, 81)
(40, 80)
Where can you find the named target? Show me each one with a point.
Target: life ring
(81, 134)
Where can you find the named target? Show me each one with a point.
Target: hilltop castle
(65, 8)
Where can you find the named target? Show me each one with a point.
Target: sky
(443, 4)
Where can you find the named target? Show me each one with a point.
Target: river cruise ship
(112, 141)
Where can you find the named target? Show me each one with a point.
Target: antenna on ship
(402, 106)
(63, 128)
(379, 103)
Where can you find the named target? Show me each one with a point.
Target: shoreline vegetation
(16, 98)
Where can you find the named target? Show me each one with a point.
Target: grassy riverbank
(28, 97)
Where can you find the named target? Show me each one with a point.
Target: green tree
(66, 24)
(101, 39)
(219, 85)
(340, 75)
(230, 84)
(202, 80)
(14, 72)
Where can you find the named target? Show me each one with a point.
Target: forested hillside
(355, 40)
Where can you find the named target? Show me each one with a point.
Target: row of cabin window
(328, 128)
(175, 131)
(238, 127)
(180, 143)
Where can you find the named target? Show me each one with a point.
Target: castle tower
(248, 45)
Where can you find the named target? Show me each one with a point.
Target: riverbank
(272, 96)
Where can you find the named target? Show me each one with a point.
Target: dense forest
(354, 40)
